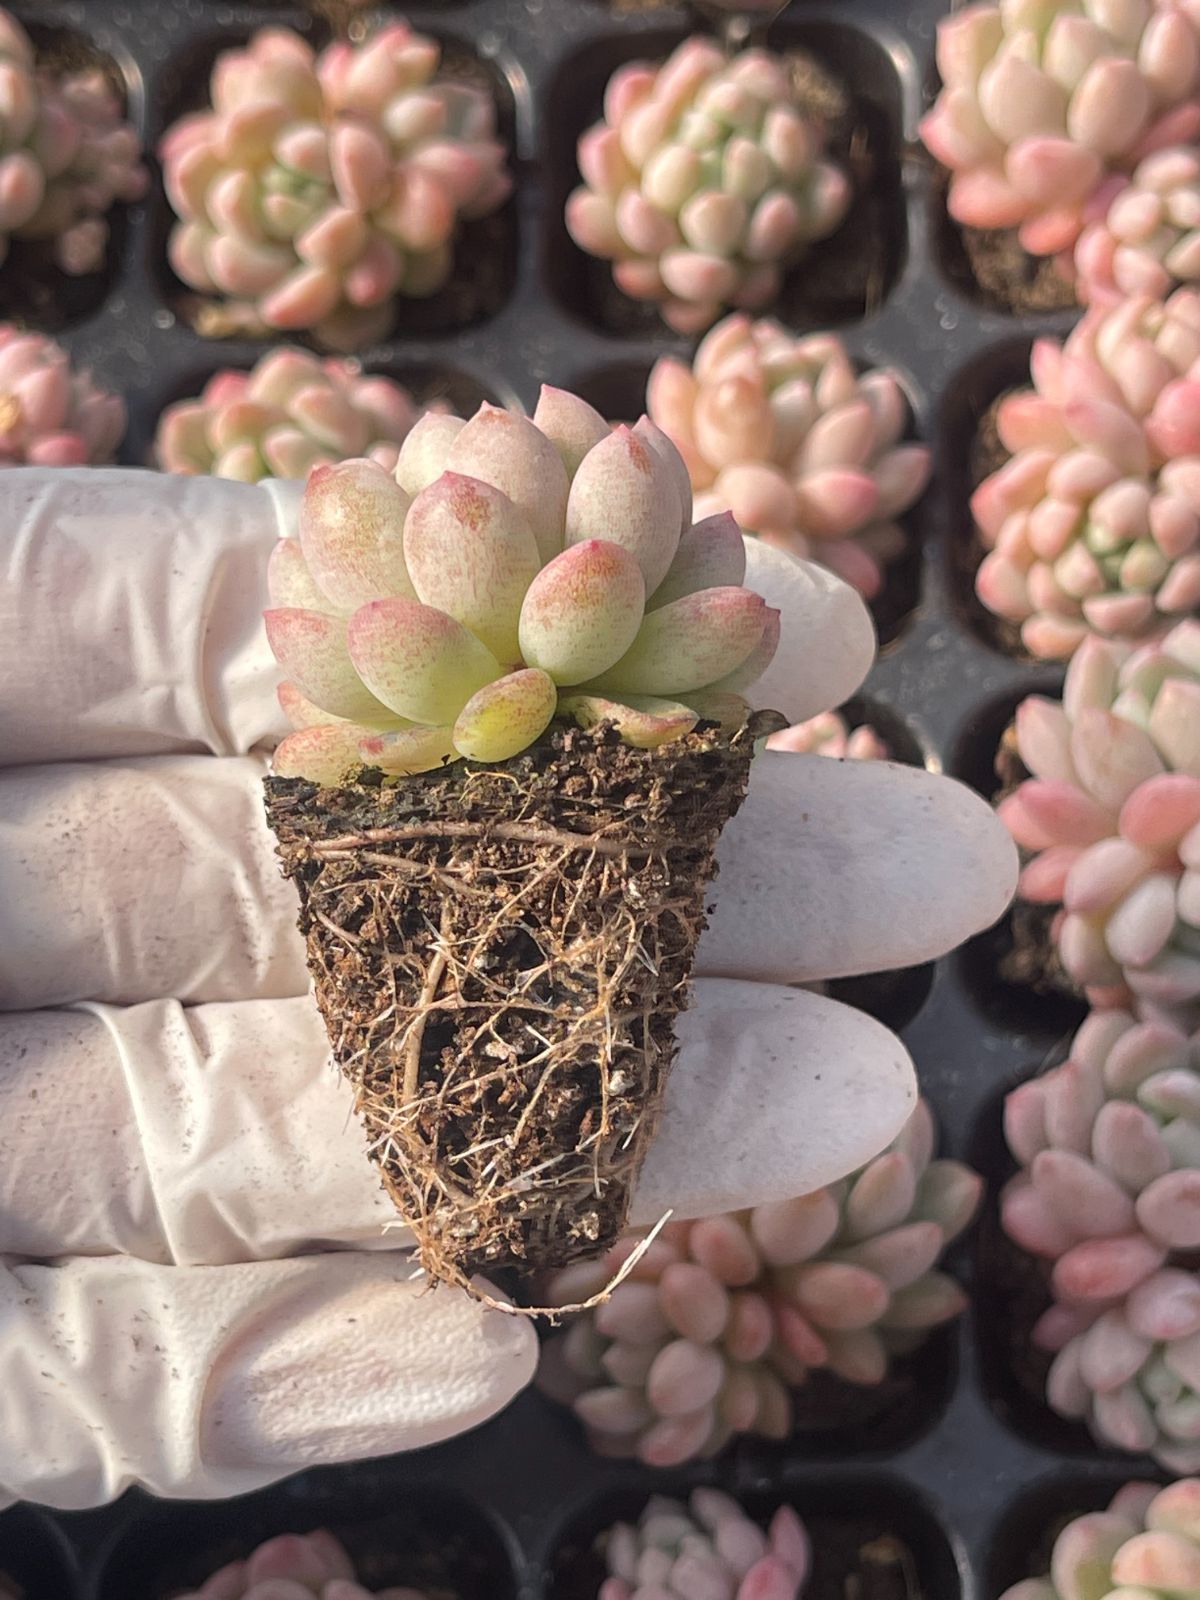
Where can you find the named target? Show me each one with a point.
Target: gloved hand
(203, 1287)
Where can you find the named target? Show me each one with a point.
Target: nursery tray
(948, 1481)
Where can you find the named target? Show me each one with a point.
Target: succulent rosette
(291, 413)
(295, 1566)
(67, 155)
(720, 1319)
(1143, 232)
(1041, 100)
(829, 734)
(51, 415)
(805, 451)
(1109, 1192)
(704, 181)
(319, 187)
(512, 572)
(707, 1547)
(1093, 525)
(1111, 819)
(1146, 1543)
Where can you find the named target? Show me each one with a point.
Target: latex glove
(220, 1294)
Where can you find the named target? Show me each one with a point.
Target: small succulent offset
(803, 450)
(1146, 1543)
(1109, 1191)
(720, 1318)
(295, 1565)
(67, 155)
(318, 187)
(1093, 525)
(704, 181)
(1043, 99)
(291, 413)
(829, 734)
(50, 415)
(1143, 233)
(512, 571)
(1111, 817)
(708, 1547)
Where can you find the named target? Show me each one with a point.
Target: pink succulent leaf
(689, 644)
(508, 452)
(352, 534)
(425, 452)
(505, 716)
(311, 647)
(418, 661)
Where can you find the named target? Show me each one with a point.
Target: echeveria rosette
(829, 734)
(721, 1318)
(1109, 1191)
(293, 1565)
(291, 413)
(1041, 100)
(806, 452)
(1111, 819)
(51, 415)
(512, 571)
(1093, 525)
(1143, 231)
(1146, 1544)
(707, 1547)
(704, 180)
(318, 187)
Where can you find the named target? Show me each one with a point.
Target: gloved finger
(210, 1381)
(131, 616)
(221, 1133)
(127, 881)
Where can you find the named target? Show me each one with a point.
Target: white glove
(222, 1294)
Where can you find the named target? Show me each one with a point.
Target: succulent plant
(50, 415)
(1109, 1191)
(1143, 233)
(720, 1318)
(295, 1565)
(293, 412)
(66, 155)
(804, 451)
(1094, 522)
(512, 571)
(1146, 1543)
(1043, 99)
(318, 187)
(829, 734)
(704, 180)
(1111, 818)
(706, 1548)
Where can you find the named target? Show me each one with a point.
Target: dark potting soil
(1008, 277)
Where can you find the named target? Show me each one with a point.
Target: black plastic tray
(961, 1466)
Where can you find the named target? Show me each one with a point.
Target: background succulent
(1147, 1542)
(50, 415)
(804, 451)
(708, 1547)
(704, 180)
(1109, 1191)
(721, 1318)
(1144, 236)
(291, 413)
(1094, 522)
(1111, 818)
(320, 186)
(66, 154)
(511, 571)
(1041, 99)
(295, 1564)
(829, 734)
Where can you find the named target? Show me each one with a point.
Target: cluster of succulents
(719, 1319)
(319, 187)
(297, 1566)
(1146, 1543)
(1143, 232)
(806, 453)
(1111, 819)
(51, 415)
(829, 734)
(510, 572)
(707, 1547)
(1043, 100)
(1109, 1191)
(291, 413)
(705, 179)
(67, 155)
(1093, 524)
